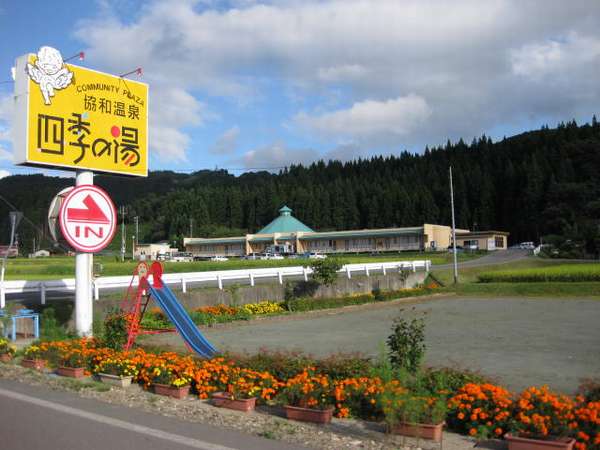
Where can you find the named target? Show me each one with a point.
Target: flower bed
(477, 409)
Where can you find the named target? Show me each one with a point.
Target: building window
(499, 241)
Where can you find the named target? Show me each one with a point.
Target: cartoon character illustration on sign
(50, 72)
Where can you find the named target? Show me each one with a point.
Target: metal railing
(249, 276)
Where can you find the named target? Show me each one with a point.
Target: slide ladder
(136, 302)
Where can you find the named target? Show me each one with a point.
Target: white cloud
(371, 118)
(4, 173)
(553, 57)
(275, 156)
(227, 142)
(172, 109)
(471, 63)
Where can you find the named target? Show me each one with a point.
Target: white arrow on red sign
(88, 218)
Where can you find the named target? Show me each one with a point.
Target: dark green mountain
(539, 183)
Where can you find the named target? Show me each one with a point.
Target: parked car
(314, 255)
(527, 245)
(251, 256)
(219, 258)
(182, 257)
(265, 256)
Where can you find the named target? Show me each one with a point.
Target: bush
(482, 410)
(115, 329)
(50, 329)
(407, 344)
(450, 380)
(325, 270)
(589, 389)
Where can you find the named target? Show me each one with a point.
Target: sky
(246, 85)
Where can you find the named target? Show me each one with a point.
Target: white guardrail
(183, 279)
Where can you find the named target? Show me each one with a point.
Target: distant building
(287, 229)
(153, 251)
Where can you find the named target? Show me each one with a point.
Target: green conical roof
(285, 223)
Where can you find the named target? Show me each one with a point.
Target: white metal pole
(453, 229)
(13, 222)
(83, 276)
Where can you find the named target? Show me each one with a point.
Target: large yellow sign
(75, 118)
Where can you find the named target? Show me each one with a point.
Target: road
(492, 258)
(33, 418)
(517, 341)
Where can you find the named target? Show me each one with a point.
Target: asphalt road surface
(518, 341)
(33, 418)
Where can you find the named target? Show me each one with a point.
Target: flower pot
(420, 430)
(172, 391)
(5, 357)
(224, 400)
(308, 414)
(531, 443)
(72, 372)
(36, 364)
(115, 380)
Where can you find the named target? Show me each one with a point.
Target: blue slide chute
(182, 321)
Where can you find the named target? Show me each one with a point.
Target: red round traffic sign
(88, 218)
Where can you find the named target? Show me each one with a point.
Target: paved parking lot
(518, 341)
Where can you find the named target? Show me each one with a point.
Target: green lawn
(469, 279)
(64, 267)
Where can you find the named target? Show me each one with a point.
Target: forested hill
(539, 183)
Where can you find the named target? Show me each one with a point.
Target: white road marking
(176, 438)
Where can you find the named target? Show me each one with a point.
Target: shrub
(407, 344)
(282, 365)
(264, 307)
(307, 390)
(589, 389)
(50, 329)
(325, 270)
(6, 348)
(482, 410)
(540, 412)
(115, 329)
(449, 380)
(586, 426)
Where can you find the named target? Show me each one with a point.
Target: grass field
(64, 267)
(560, 273)
(470, 282)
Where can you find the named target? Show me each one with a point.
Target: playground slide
(182, 321)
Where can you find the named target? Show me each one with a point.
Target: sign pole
(83, 276)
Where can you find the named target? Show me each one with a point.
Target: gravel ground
(518, 342)
(265, 422)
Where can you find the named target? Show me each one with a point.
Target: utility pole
(133, 248)
(15, 217)
(453, 229)
(122, 211)
(137, 231)
(191, 227)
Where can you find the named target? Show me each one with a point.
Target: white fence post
(96, 291)
(183, 285)
(251, 279)
(305, 273)
(414, 267)
(383, 268)
(43, 293)
(280, 276)
(348, 272)
(220, 282)
(367, 270)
